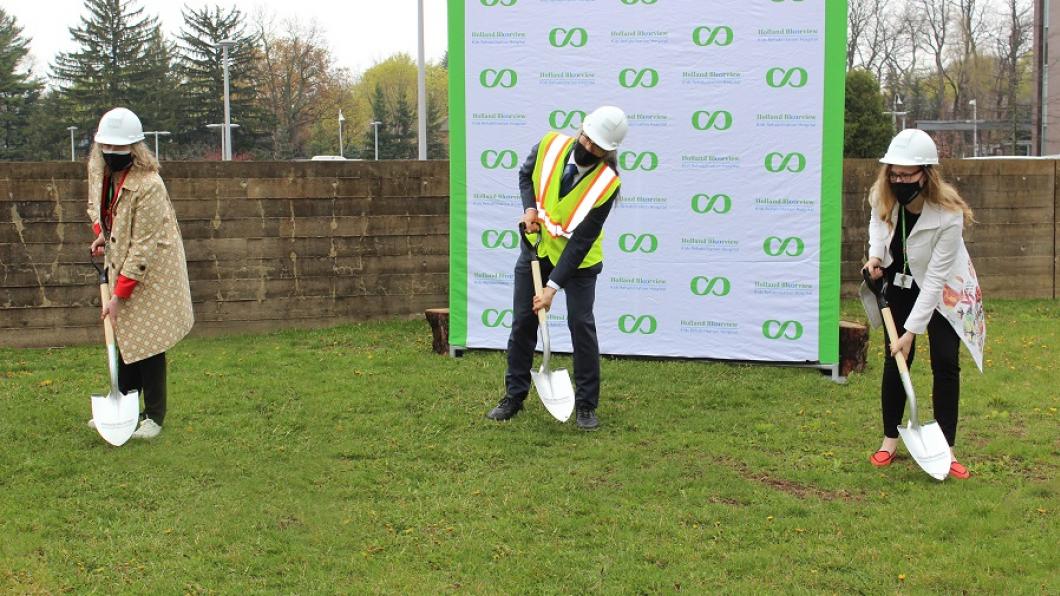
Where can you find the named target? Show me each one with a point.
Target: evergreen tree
(158, 108)
(868, 129)
(113, 65)
(18, 90)
(202, 89)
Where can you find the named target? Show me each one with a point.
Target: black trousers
(581, 295)
(148, 376)
(945, 369)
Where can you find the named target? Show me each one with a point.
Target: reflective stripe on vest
(603, 183)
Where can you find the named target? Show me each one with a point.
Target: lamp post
(164, 133)
(895, 113)
(421, 86)
(375, 125)
(222, 127)
(341, 120)
(975, 129)
(226, 145)
(73, 157)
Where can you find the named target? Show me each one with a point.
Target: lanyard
(905, 256)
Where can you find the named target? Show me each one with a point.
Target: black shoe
(507, 408)
(587, 419)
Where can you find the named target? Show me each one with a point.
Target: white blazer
(939, 262)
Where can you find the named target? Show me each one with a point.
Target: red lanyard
(107, 218)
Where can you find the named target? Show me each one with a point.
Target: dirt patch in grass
(801, 491)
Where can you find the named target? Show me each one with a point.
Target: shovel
(553, 386)
(925, 443)
(116, 414)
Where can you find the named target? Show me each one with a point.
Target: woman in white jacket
(916, 240)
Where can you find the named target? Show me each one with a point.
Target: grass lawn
(355, 460)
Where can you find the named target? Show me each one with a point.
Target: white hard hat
(911, 147)
(119, 126)
(606, 127)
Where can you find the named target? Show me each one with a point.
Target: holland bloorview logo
(704, 203)
(794, 162)
(646, 243)
(774, 329)
(497, 317)
(702, 285)
(504, 78)
(716, 120)
(575, 37)
(791, 246)
(787, 77)
(643, 324)
(719, 35)
(563, 119)
(500, 239)
(505, 159)
(642, 77)
(645, 160)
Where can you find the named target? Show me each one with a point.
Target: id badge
(903, 281)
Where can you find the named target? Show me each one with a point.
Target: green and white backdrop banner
(725, 241)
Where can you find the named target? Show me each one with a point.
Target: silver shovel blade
(116, 416)
(928, 447)
(556, 392)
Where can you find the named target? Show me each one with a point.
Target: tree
(18, 89)
(113, 66)
(158, 106)
(202, 71)
(868, 130)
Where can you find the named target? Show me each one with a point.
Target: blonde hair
(935, 190)
(143, 159)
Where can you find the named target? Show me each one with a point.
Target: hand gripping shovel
(116, 414)
(926, 444)
(553, 386)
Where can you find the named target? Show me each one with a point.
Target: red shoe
(883, 458)
(958, 471)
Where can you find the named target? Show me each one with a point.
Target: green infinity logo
(575, 37)
(500, 239)
(631, 160)
(560, 119)
(644, 324)
(646, 243)
(774, 329)
(505, 159)
(504, 2)
(776, 246)
(705, 203)
(504, 78)
(633, 2)
(719, 120)
(710, 286)
(712, 36)
(786, 77)
(492, 317)
(645, 77)
(791, 162)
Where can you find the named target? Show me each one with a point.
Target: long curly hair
(143, 159)
(936, 191)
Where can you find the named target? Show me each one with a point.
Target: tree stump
(853, 347)
(439, 321)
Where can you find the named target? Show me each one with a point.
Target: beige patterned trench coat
(145, 245)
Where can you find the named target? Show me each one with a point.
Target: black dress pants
(581, 295)
(148, 376)
(945, 369)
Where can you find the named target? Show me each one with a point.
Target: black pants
(581, 295)
(148, 376)
(945, 369)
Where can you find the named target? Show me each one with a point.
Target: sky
(359, 33)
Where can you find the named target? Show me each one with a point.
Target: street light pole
(895, 113)
(421, 85)
(975, 129)
(73, 157)
(341, 120)
(223, 127)
(226, 133)
(164, 133)
(375, 125)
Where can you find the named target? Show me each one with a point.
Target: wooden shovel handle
(535, 269)
(892, 332)
(108, 330)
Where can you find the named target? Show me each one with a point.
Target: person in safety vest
(138, 236)
(568, 186)
(916, 240)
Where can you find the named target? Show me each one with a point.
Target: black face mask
(583, 157)
(905, 192)
(117, 161)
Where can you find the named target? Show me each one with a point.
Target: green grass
(355, 460)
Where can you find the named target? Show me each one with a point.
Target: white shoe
(148, 430)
